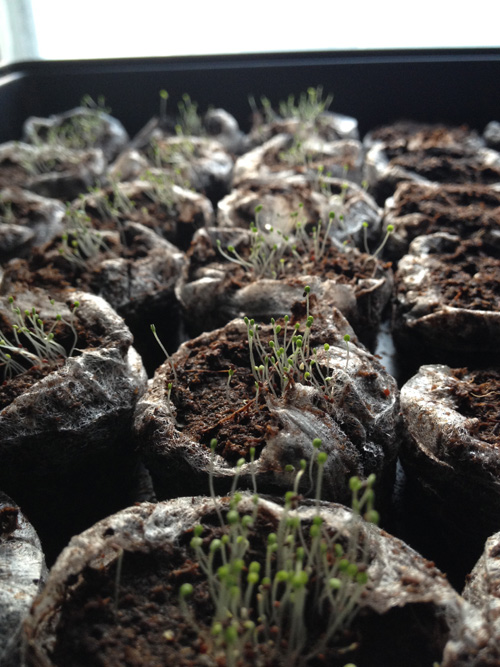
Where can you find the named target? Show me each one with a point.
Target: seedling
(308, 576)
(163, 104)
(7, 215)
(296, 154)
(308, 107)
(174, 155)
(80, 242)
(389, 231)
(162, 190)
(272, 251)
(46, 159)
(33, 344)
(167, 356)
(347, 338)
(189, 122)
(80, 131)
(288, 357)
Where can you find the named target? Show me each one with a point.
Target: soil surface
(210, 405)
(49, 268)
(469, 277)
(12, 174)
(133, 618)
(478, 396)
(463, 210)
(138, 621)
(11, 388)
(466, 274)
(176, 226)
(345, 267)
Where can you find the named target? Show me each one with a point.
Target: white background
(112, 28)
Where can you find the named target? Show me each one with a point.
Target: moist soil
(465, 210)
(13, 387)
(209, 404)
(345, 267)
(11, 174)
(350, 267)
(468, 276)
(276, 159)
(24, 213)
(47, 268)
(133, 618)
(447, 166)
(176, 226)
(435, 152)
(478, 396)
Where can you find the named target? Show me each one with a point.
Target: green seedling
(80, 241)
(288, 357)
(167, 356)
(7, 215)
(389, 231)
(307, 575)
(162, 190)
(33, 342)
(271, 251)
(308, 106)
(83, 130)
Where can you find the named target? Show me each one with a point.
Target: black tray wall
(455, 86)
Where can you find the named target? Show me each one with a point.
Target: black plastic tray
(447, 85)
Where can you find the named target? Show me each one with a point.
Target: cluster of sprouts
(289, 357)
(46, 158)
(162, 187)
(78, 131)
(188, 121)
(271, 250)
(307, 107)
(32, 343)
(267, 256)
(173, 154)
(80, 241)
(309, 576)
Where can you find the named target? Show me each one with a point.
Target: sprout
(263, 601)
(33, 343)
(347, 338)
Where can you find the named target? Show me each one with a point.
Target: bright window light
(115, 29)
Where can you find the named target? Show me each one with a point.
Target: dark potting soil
(50, 269)
(435, 152)
(11, 174)
(210, 405)
(469, 277)
(345, 267)
(47, 268)
(404, 136)
(12, 387)
(176, 226)
(446, 166)
(21, 213)
(464, 210)
(133, 618)
(478, 397)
